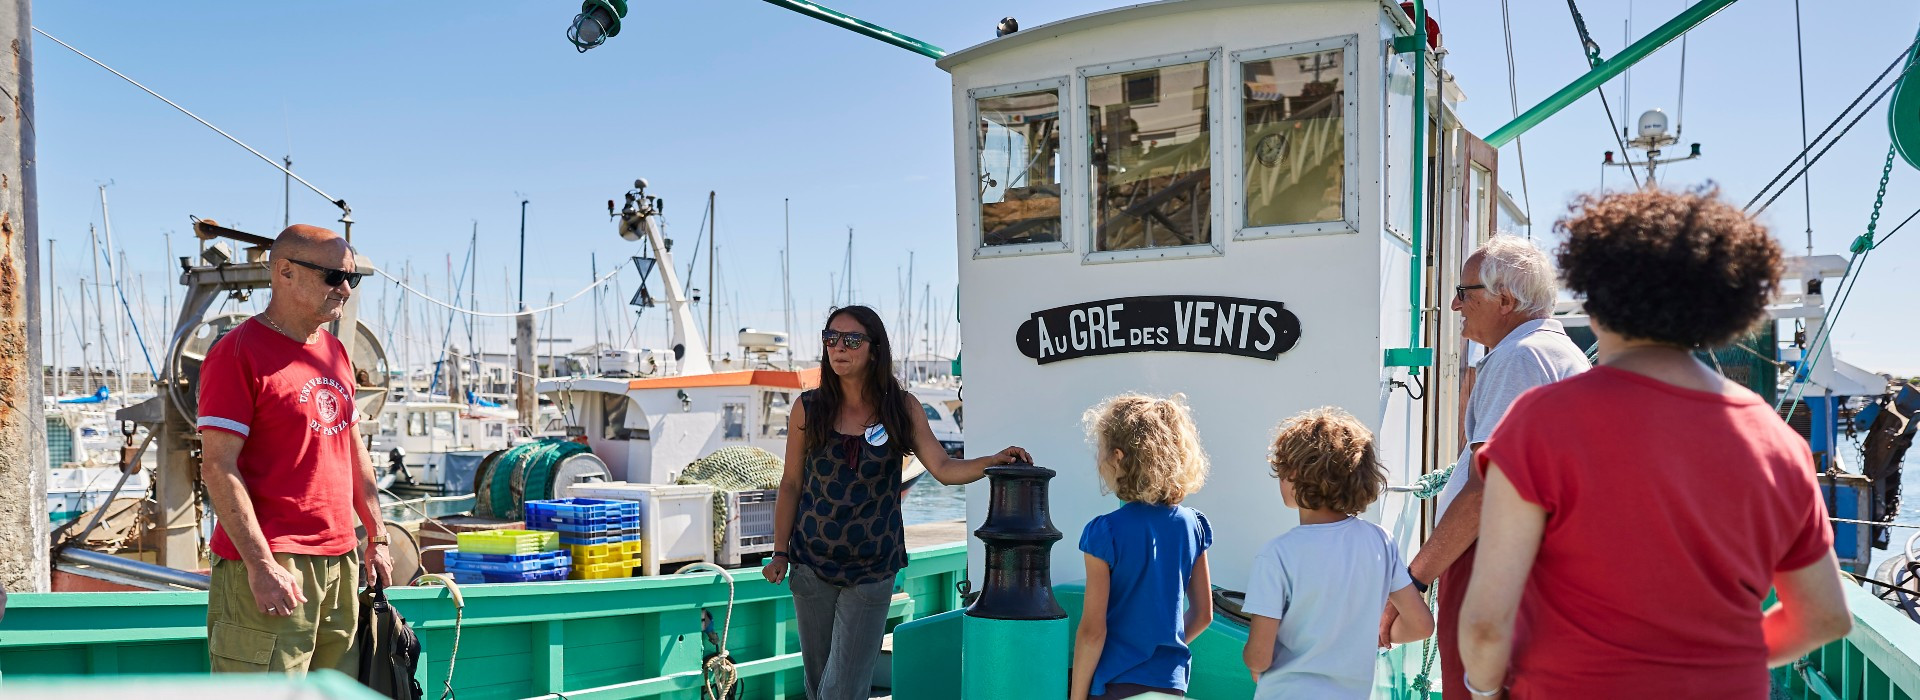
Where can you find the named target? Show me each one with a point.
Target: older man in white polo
(1506, 293)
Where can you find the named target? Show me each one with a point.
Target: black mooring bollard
(1015, 643)
(1019, 537)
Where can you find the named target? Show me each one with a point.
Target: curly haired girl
(1143, 556)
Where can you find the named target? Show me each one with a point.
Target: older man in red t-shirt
(286, 473)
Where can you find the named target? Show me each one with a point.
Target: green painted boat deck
(592, 640)
(641, 638)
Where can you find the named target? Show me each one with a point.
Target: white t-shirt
(1326, 584)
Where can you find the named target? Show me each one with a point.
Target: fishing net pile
(738, 468)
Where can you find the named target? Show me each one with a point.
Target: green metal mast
(1606, 69)
(857, 25)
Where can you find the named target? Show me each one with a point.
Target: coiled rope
(718, 674)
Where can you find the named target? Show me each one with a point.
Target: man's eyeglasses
(333, 277)
(835, 338)
(1460, 290)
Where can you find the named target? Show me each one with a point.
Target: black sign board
(1178, 323)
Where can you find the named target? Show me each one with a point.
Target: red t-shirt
(1668, 513)
(293, 402)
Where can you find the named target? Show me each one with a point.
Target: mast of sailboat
(99, 309)
(119, 326)
(786, 278)
(847, 269)
(593, 262)
(80, 334)
(713, 290)
(59, 370)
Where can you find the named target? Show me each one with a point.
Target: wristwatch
(379, 539)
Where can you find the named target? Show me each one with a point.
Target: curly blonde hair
(1160, 459)
(1328, 455)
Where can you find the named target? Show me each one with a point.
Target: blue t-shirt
(1150, 550)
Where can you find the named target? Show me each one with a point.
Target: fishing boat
(1256, 203)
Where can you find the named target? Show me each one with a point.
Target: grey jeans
(840, 631)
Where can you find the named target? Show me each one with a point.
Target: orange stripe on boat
(800, 379)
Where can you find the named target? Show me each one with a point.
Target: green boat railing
(1875, 661)
(590, 640)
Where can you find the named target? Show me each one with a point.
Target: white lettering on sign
(1265, 326)
(1219, 325)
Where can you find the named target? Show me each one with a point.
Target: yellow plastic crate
(509, 541)
(618, 569)
(607, 553)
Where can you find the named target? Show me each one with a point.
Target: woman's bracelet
(1417, 585)
(779, 555)
(1466, 679)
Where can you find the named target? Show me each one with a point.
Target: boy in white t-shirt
(1316, 591)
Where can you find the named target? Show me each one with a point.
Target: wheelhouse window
(1294, 137)
(613, 415)
(1018, 164)
(775, 407)
(1149, 132)
(733, 421)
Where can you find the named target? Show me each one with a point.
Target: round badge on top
(877, 434)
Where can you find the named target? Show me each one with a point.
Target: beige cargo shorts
(318, 635)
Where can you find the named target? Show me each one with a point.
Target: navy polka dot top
(849, 529)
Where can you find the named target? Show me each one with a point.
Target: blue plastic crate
(514, 558)
(463, 576)
(578, 512)
(493, 563)
(569, 539)
(621, 526)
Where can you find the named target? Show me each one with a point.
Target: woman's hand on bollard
(776, 569)
(1012, 455)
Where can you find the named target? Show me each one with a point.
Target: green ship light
(598, 20)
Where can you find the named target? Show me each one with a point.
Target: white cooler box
(676, 522)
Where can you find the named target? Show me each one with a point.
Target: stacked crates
(508, 556)
(602, 536)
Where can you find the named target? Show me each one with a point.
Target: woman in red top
(1637, 515)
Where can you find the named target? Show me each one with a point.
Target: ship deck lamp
(598, 21)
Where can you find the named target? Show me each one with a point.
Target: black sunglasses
(1460, 291)
(333, 277)
(833, 338)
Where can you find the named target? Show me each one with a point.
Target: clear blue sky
(429, 116)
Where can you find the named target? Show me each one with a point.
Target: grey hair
(1513, 266)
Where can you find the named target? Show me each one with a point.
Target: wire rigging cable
(1592, 49)
(276, 164)
(1513, 97)
(1897, 60)
(1800, 59)
(502, 314)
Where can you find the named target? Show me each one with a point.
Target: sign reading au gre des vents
(1178, 323)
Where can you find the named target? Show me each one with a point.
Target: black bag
(389, 650)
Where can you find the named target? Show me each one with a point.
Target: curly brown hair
(1328, 455)
(1682, 268)
(1160, 460)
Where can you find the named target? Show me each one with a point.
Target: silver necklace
(276, 327)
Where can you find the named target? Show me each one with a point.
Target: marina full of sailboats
(438, 408)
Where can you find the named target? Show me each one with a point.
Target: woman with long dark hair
(837, 521)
